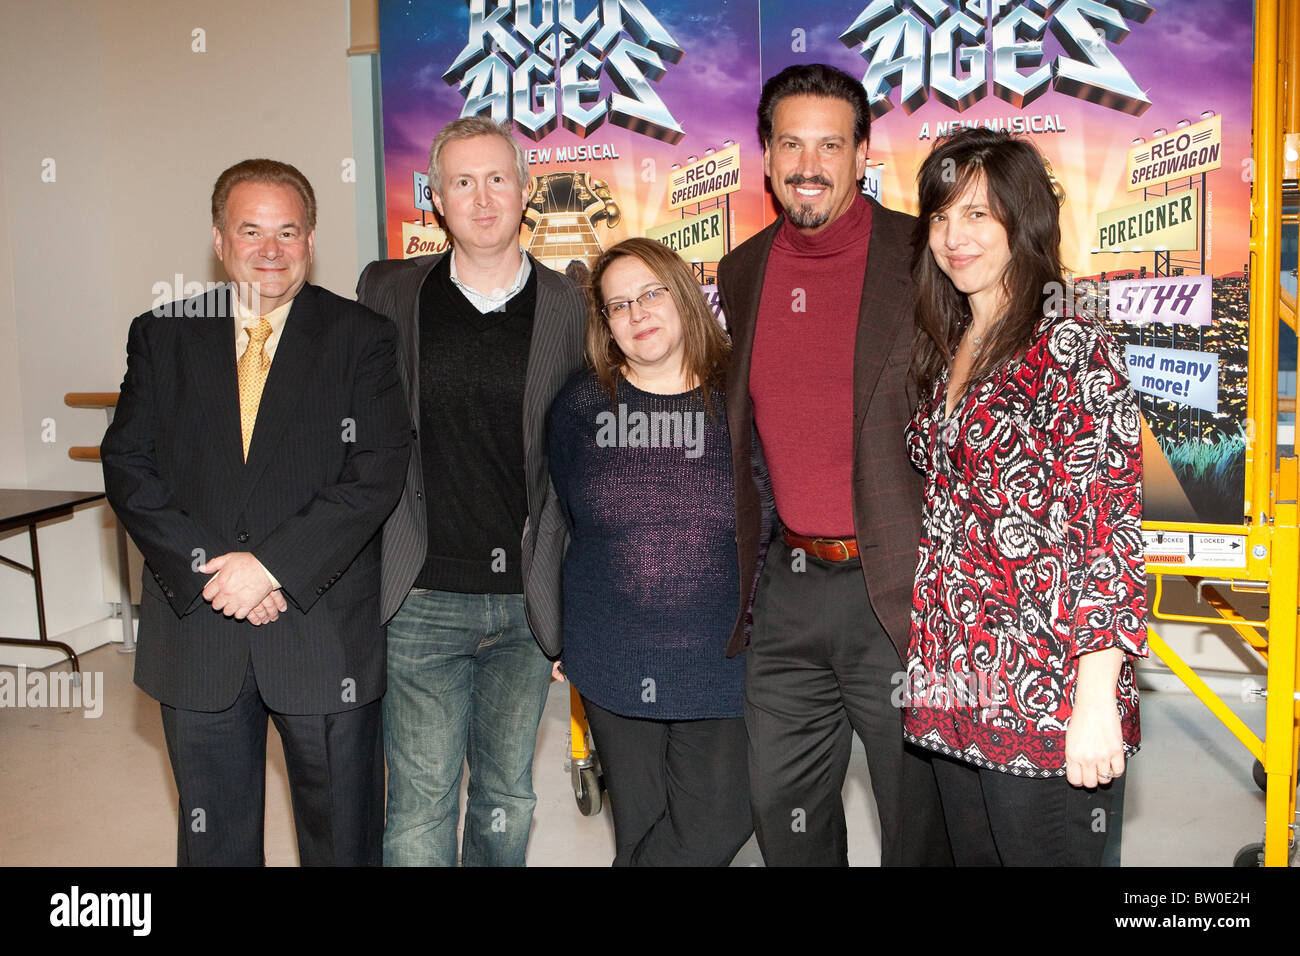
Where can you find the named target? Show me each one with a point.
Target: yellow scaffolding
(1272, 520)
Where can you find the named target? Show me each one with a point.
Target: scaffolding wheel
(588, 792)
(1252, 854)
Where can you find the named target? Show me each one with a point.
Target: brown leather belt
(828, 549)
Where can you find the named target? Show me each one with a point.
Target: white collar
(497, 298)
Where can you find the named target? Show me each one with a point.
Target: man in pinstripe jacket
(472, 553)
(263, 502)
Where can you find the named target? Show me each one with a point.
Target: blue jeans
(466, 680)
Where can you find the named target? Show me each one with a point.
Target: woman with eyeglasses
(1030, 599)
(641, 463)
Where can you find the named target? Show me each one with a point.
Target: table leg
(44, 640)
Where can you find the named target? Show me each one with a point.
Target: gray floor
(79, 791)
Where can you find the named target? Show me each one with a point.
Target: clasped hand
(241, 589)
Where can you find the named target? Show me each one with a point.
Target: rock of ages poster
(638, 118)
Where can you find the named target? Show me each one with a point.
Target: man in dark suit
(258, 445)
(487, 335)
(818, 397)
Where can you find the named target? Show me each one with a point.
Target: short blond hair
(467, 127)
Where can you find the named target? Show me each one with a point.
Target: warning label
(1183, 549)
(1165, 547)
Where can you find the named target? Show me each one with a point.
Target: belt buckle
(823, 542)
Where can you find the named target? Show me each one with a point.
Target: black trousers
(999, 819)
(821, 667)
(678, 789)
(336, 782)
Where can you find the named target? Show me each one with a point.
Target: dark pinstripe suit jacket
(324, 469)
(392, 286)
(886, 488)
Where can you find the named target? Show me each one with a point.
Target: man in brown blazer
(819, 306)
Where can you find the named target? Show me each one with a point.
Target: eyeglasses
(649, 299)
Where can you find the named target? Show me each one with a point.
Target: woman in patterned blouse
(1030, 599)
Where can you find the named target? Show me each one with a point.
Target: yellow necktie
(253, 367)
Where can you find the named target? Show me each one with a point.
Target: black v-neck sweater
(472, 368)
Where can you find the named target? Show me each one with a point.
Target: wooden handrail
(90, 399)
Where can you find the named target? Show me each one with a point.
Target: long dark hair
(1023, 198)
(707, 348)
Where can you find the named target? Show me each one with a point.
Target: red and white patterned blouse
(1031, 551)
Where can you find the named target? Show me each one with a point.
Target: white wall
(13, 456)
(138, 124)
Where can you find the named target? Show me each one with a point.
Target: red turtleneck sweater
(801, 376)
